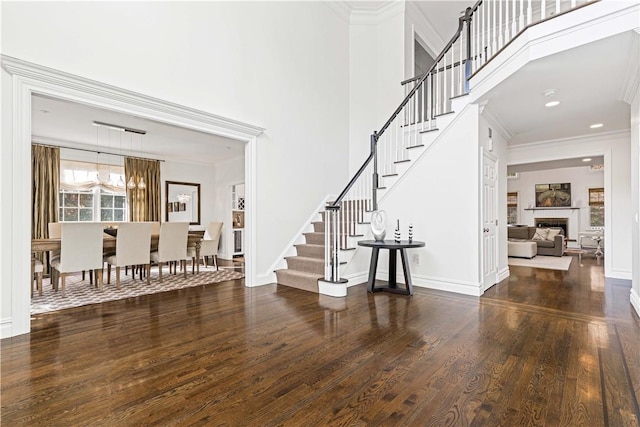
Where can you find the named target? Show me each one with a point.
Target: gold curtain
(45, 177)
(144, 204)
(45, 172)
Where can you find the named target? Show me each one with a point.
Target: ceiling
(70, 124)
(557, 164)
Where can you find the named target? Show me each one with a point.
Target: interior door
(489, 219)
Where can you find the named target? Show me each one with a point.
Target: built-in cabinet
(237, 215)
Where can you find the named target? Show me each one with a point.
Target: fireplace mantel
(549, 208)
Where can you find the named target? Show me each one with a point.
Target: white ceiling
(557, 164)
(588, 82)
(69, 124)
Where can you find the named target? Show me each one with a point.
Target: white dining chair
(208, 245)
(132, 248)
(80, 249)
(54, 233)
(172, 246)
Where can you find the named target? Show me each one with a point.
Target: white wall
(280, 65)
(617, 183)
(376, 68)
(635, 198)
(581, 180)
(442, 203)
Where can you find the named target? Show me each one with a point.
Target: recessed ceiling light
(588, 159)
(596, 125)
(552, 103)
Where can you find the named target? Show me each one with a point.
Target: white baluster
(461, 66)
(529, 13)
(424, 111)
(573, 4)
(499, 26)
(494, 25)
(521, 22)
(506, 22)
(475, 55)
(452, 75)
(543, 7)
(557, 7)
(514, 20)
(485, 28)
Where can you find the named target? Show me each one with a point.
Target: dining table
(109, 243)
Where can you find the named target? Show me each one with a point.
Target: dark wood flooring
(541, 348)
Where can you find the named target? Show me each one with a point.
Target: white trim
(635, 301)
(332, 289)
(456, 286)
(27, 79)
(631, 79)
(432, 43)
(497, 124)
(622, 274)
(6, 327)
(356, 278)
(263, 279)
(340, 8)
(583, 139)
(503, 274)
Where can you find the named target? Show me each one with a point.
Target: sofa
(549, 240)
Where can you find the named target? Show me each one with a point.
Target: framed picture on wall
(553, 195)
(170, 207)
(183, 207)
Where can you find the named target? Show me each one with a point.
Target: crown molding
(631, 81)
(571, 140)
(375, 16)
(174, 113)
(340, 8)
(495, 122)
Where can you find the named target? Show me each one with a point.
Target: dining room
(101, 168)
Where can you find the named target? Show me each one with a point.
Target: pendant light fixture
(120, 183)
(141, 184)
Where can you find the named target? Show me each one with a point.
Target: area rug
(80, 292)
(542, 261)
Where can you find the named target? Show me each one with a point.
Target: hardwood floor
(541, 348)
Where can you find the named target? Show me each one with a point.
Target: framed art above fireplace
(553, 195)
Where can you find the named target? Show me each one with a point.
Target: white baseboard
(503, 274)
(441, 284)
(620, 274)
(635, 301)
(356, 278)
(264, 279)
(6, 327)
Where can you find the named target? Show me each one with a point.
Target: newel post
(374, 150)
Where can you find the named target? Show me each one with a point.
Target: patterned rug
(80, 292)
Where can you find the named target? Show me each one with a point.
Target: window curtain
(144, 203)
(45, 173)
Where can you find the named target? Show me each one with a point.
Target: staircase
(430, 106)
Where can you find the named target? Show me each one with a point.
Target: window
(85, 194)
(512, 208)
(596, 205)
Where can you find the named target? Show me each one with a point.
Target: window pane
(86, 214)
(597, 216)
(118, 202)
(70, 199)
(70, 214)
(86, 200)
(106, 215)
(106, 201)
(118, 215)
(512, 215)
(60, 199)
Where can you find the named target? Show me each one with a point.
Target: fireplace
(554, 222)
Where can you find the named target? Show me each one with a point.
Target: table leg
(373, 266)
(198, 244)
(407, 272)
(392, 268)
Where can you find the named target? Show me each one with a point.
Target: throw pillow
(552, 233)
(541, 234)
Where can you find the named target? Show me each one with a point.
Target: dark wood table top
(391, 244)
